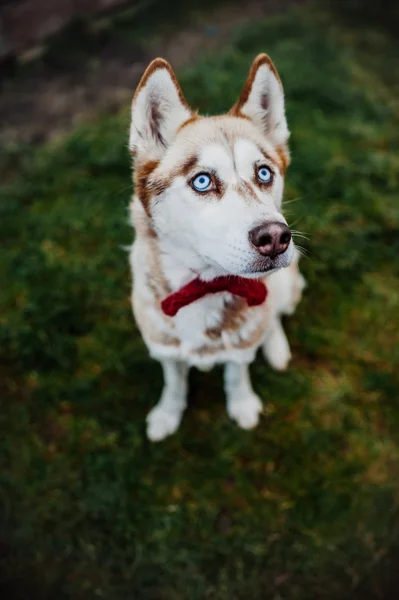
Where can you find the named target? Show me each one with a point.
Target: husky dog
(213, 261)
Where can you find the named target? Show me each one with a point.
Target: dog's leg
(276, 348)
(243, 405)
(164, 419)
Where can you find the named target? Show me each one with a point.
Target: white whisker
(292, 200)
(302, 251)
(300, 235)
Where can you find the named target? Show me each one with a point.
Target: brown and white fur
(182, 234)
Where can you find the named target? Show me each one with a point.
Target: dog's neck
(181, 265)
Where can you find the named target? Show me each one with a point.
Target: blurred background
(305, 506)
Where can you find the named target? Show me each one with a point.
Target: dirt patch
(28, 22)
(49, 102)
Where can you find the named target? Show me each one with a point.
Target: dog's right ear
(262, 101)
(158, 110)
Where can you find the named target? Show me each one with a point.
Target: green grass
(305, 506)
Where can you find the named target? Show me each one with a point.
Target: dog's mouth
(257, 268)
(266, 266)
(258, 271)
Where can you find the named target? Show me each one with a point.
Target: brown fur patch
(254, 340)
(167, 340)
(261, 59)
(155, 123)
(268, 157)
(280, 159)
(141, 176)
(155, 277)
(195, 117)
(264, 102)
(245, 189)
(157, 187)
(187, 166)
(160, 286)
(219, 186)
(156, 281)
(284, 157)
(233, 317)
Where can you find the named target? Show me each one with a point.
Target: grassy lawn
(306, 506)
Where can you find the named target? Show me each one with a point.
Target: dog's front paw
(277, 352)
(161, 423)
(245, 411)
(279, 360)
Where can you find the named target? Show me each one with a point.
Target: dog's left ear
(262, 100)
(158, 110)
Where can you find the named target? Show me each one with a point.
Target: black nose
(270, 239)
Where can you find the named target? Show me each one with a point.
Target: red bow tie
(253, 290)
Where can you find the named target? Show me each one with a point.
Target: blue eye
(202, 182)
(264, 174)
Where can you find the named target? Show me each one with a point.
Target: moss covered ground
(306, 505)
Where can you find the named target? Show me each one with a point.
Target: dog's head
(212, 186)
